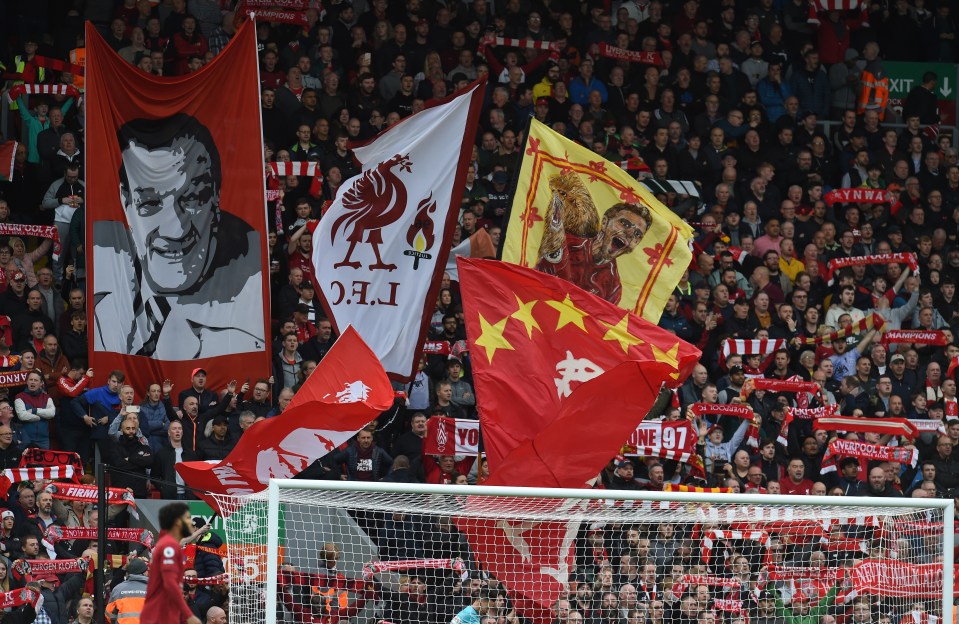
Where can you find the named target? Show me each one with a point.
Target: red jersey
(165, 603)
(577, 266)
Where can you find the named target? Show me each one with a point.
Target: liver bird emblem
(377, 199)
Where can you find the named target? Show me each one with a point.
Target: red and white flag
(8, 154)
(175, 218)
(347, 390)
(451, 436)
(533, 559)
(382, 245)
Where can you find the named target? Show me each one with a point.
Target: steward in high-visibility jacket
(874, 88)
(127, 598)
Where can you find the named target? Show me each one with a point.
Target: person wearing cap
(13, 300)
(205, 397)
(127, 598)
(623, 477)
(218, 443)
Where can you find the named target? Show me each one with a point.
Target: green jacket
(814, 614)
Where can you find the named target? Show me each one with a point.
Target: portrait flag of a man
(580, 217)
(175, 218)
(380, 250)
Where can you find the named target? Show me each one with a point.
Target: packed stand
(736, 101)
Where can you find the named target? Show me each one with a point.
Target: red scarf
(863, 450)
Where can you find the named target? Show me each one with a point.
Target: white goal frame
(273, 513)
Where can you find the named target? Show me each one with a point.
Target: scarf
(934, 337)
(874, 321)
(863, 450)
(862, 196)
(57, 533)
(375, 567)
(13, 379)
(41, 231)
(892, 258)
(766, 348)
(45, 473)
(804, 413)
(310, 169)
(632, 56)
(704, 579)
(884, 426)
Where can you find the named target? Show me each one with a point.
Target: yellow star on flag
(568, 313)
(491, 337)
(525, 316)
(620, 333)
(669, 357)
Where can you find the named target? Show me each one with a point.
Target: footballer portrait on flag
(581, 247)
(189, 268)
(584, 219)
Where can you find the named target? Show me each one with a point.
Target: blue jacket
(773, 97)
(101, 402)
(579, 91)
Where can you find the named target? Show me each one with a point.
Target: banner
(382, 246)
(451, 436)
(176, 218)
(577, 216)
(526, 324)
(633, 56)
(895, 579)
(347, 390)
(651, 436)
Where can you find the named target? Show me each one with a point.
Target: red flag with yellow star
(563, 376)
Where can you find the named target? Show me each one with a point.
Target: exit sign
(904, 76)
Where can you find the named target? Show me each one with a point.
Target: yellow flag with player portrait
(582, 218)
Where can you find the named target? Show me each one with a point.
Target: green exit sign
(903, 77)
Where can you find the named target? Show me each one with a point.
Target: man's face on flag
(171, 205)
(620, 234)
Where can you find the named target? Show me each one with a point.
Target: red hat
(542, 100)
(713, 428)
(196, 371)
(800, 596)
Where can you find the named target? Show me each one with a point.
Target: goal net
(339, 552)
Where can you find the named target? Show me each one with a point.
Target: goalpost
(395, 553)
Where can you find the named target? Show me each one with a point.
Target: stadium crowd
(765, 110)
